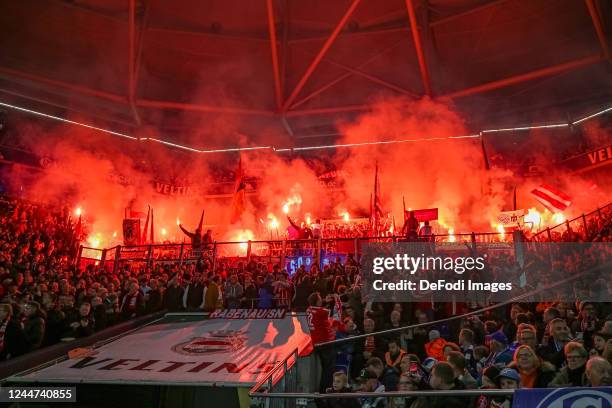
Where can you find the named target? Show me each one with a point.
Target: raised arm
(189, 234)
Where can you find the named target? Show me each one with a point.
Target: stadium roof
(296, 68)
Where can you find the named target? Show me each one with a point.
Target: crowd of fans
(45, 299)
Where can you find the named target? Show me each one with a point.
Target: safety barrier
(289, 253)
(281, 379)
(578, 225)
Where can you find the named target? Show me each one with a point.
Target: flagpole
(143, 237)
(152, 229)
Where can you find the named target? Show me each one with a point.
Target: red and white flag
(552, 198)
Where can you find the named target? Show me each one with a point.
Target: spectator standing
(13, 341)
(173, 297)
(34, 324)
(233, 292)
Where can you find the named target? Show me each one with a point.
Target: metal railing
(290, 254)
(580, 223)
(283, 376)
(386, 394)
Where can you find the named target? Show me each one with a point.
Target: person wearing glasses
(407, 382)
(534, 373)
(573, 373)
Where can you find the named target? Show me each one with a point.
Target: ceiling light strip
(557, 125)
(45, 115)
(303, 148)
(592, 116)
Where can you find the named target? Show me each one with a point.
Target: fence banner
(131, 231)
(507, 218)
(563, 398)
(428, 214)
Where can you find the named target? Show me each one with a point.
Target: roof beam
(343, 76)
(315, 62)
(217, 36)
(418, 46)
(529, 76)
(150, 103)
(598, 28)
(8, 73)
(466, 13)
(334, 109)
(69, 107)
(357, 71)
(352, 34)
(273, 49)
(541, 73)
(147, 103)
(132, 59)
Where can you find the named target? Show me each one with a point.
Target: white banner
(508, 218)
(218, 351)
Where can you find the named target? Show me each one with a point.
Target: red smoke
(104, 175)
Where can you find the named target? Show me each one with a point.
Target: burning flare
(294, 200)
(345, 215)
(94, 240)
(502, 231)
(533, 217)
(243, 236)
(558, 218)
(273, 221)
(78, 211)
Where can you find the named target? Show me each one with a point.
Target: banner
(508, 218)
(429, 214)
(590, 160)
(248, 314)
(173, 190)
(131, 231)
(225, 352)
(563, 398)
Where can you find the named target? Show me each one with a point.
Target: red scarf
(370, 345)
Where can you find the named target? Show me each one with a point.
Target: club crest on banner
(218, 341)
(582, 398)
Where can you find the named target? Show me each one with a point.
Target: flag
(136, 214)
(552, 198)
(514, 200)
(201, 221)
(484, 153)
(152, 228)
(143, 239)
(239, 200)
(378, 212)
(78, 231)
(371, 213)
